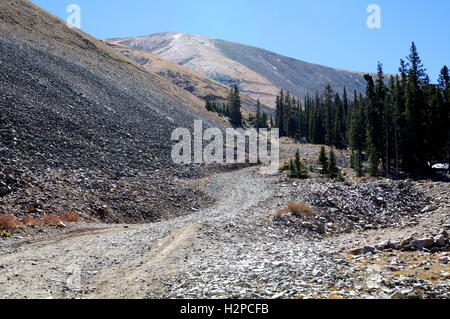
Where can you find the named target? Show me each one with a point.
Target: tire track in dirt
(119, 262)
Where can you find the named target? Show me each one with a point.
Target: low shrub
(297, 209)
(300, 210)
(9, 223)
(70, 217)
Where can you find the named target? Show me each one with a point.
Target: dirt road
(121, 261)
(233, 249)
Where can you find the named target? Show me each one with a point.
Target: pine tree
(357, 133)
(444, 111)
(373, 126)
(357, 163)
(329, 115)
(413, 117)
(394, 101)
(381, 143)
(333, 171)
(235, 106)
(280, 116)
(264, 120)
(296, 167)
(208, 105)
(338, 125)
(259, 119)
(374, 161)
(323, 161)
(398, 127)
(345, 114)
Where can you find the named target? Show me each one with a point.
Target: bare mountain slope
(55, 78)
(259, 73)
(83, 126)
(195, 83)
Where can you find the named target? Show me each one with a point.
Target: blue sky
(328, 32)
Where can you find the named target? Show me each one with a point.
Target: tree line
(231, 109)
(400, 125)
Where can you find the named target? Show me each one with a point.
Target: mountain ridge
(197, 84)
(258, 72)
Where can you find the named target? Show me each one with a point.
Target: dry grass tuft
(70, 217)
(300, 210)
(282, 212)
(297, 209)
(54, 219)
(9, 223)
(30, 220)
(51, 219)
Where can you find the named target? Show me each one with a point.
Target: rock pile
(349, 206)
(432, 243)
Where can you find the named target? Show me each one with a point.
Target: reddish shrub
(30, 220)
(9, 223)
(51, 219)
(70, 217)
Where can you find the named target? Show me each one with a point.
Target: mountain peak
(259, 73)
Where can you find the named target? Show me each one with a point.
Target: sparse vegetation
(297, 209)
(300, 210)
(51, 219)
(71, 217)
(9, 223)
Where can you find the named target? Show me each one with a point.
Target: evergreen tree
(208, 105)
(333, 171)
(357, 163)
(399, 127)
(264, 120)
(323, 161)
(373, 126)
(374, 162)
(235, 106)
(296, 167)
(382, 142)
(329, 116)
(357, 136)
(394, 104)
(280, 114)
(338, 126)
(345, 114)
(414, 115)
(259, 118)
(444, 111)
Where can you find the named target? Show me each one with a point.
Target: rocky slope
(259, 73)
(69, 104)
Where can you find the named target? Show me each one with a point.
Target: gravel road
(122, 261)
(233, 249)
